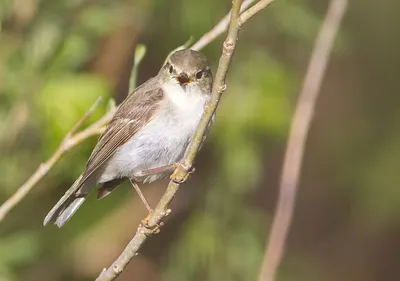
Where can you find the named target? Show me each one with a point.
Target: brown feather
(131, 116)
(108, 187)
(124, 125)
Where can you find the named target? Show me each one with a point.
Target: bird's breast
(185, 103)
(163, 140)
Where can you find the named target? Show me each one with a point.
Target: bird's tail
(67, 205)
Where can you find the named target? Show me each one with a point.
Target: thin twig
(181, 173)
(246, 15)
(70, 140)
(217, 30)
(83, 119)
(222, 26)
(297, 137)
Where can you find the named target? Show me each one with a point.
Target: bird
(148, 134)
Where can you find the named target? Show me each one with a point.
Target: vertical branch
(182, 171)
(219, 84)
(297, 137)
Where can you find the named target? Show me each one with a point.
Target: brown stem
(222, 26)
(297, 137)
(246, 15)
(217, 30)
(181, 173)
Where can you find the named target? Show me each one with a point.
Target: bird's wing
(132, 115)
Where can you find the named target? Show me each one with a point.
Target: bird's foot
(182, 172)
(154, 229)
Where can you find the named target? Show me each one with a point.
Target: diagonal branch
(70, 140)
(222, 26)
(218, 30)
(297, 137)
(246, 15)
(182, 172)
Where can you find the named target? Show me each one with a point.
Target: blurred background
(57, 57)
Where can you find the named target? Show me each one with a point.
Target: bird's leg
(161, 169)
(157, 170)
(141, 195)
(149, 172)
(152, 230)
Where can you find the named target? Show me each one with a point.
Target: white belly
(161, 142)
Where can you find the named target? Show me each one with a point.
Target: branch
(217, 30)
(222, 26)
(297, 137)
(182, 172)
(246, 15)
(70, 140)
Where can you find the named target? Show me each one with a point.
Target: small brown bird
(148, 134)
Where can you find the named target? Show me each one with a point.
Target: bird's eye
(171, 69)
(199, 74)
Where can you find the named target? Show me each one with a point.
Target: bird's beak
(183, 79)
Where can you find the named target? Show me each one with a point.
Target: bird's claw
(150, 230)
(176, 175)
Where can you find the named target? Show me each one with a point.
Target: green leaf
(140, 53)
(181, 47)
